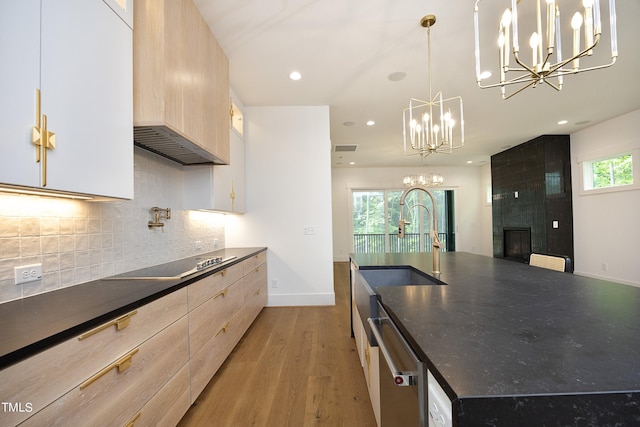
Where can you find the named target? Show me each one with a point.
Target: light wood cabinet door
(46, 376)
(250, 264)
(169, 405)
(208, 287)
(114, 395)
(209, 319)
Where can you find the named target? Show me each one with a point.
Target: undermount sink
(404, 276)
(367, 280)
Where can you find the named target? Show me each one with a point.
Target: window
(376, 214)
(609, 172)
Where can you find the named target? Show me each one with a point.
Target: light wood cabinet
(147, 365)
(46, 376)
(216, 326)
(78, 53)
(113, 396)
(210, 286)
(181, 83)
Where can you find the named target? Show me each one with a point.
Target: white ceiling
(346, 49)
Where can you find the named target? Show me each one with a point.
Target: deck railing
(370, 243)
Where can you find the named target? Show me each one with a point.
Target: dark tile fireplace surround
(532, 199)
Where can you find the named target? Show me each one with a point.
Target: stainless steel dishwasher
(403, 381)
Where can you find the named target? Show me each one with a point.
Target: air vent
(345, 147)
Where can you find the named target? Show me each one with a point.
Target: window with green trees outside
(376, 214)
(609, 172)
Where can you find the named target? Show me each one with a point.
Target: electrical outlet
(28, 273)
(274, 283)
(198, 245)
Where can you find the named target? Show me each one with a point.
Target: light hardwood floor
(295, 366)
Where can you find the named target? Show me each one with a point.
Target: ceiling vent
(345, 147)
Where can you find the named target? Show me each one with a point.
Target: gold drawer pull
(133, 420)
(258, 291)
(222, 273)
(120, 323)
(122, 364)
(224, 329)
(222, 293)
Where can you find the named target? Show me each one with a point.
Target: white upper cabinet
(79, 54)
(220, 187)
(20, 53)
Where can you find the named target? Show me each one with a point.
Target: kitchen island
(516, 345)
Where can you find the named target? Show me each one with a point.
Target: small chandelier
(423, 179)
(430, 126)
(547, 63)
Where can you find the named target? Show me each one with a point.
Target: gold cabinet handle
(42, 138)
(120, 323)
(133, 420)
(36, 131)
(122, 364)
(222, 293)
(223, 272)
(224, 329)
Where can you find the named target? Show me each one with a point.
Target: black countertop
(514, 343)
(33, 324)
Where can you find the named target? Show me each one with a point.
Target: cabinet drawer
(205, 363)
(113, 396)
(256, 279)
(43, 378)
(206, 320)
(169, 405)
(254, 261)
(204, 289)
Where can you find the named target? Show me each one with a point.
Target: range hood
(167, 143)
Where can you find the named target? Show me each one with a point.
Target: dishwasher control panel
(439, 411)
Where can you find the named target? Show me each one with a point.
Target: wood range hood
(181, 107)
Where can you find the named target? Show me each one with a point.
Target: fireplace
(517, 243)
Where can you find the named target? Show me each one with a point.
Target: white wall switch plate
(28, 273)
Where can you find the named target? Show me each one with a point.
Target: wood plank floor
(295, 366)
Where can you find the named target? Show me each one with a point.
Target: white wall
(473, 232)
(288, 189)
(606, 225)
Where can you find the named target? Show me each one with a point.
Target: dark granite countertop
(33, 324)
(512, 342)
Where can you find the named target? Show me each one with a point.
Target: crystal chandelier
(423, 179)
(430, 126)
(547, 62)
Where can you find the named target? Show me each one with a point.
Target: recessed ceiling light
(563, 122)
(352, 163)
(295, 75)
(370, 123)
(469, 162)
(485, 75)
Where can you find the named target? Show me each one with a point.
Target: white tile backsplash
(78, 241)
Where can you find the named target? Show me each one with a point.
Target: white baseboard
(293, 300)
(608, 279)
